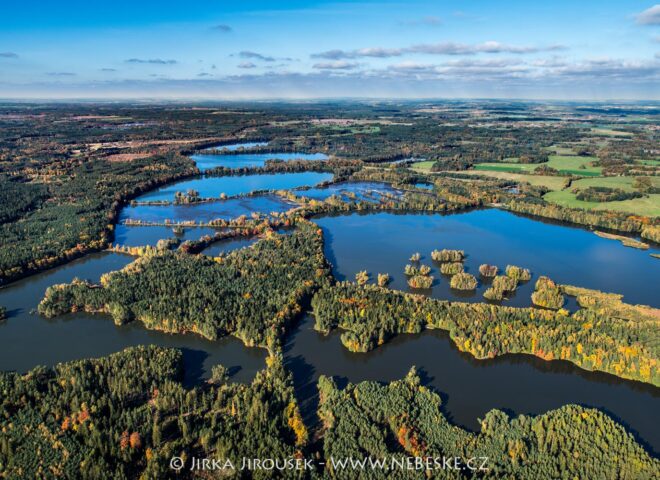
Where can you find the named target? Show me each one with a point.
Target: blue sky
(293, 49)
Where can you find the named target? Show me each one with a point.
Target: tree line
(619, 339)
(250, 293)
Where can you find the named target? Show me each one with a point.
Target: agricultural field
(574, 165)
(565, 164)
(424, 166)
(647, 205)
(547, 181)
(610, 132)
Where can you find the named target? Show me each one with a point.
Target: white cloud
(152, 61)
(222, 28)
(256, 56)
(246, 65)
(650, 16)
(336, 65)
(443, 48)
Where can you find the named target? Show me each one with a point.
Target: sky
(242, 50)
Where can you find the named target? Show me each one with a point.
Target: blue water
(384, 242)
(229, 245)
(380, 242)
(244, 160)
(137, 236)
(28, 340)
(213, 187)
(207, 211)
(362, 190)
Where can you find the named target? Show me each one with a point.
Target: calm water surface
(425, 186)
(213, 187)
(384, 242)
(28, 340)
(367, 191)
(469, 388)
(206, 211)
(242, 160)
(228, 245)
(137, 236)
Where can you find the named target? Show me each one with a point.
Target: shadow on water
(193, 366)
(468, 387)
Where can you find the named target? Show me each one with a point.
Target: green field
(550, 182)
(624, 183)
(568, 164)
(571, 164)
(649, 206)
(424, 166)
(610, 132)
(508, 167)
(561, 150)
(653, 163)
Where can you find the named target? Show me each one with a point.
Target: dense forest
(405, 419)
(610, 220)
(72, 212)
(251, 293)
(127, 415)
(66, 171)
(605, 334)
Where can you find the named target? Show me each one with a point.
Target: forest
(62, 189)
(251, 293)
(66, 172)
(126, 415)
(72, 212)
(605, 334)
(405, 419)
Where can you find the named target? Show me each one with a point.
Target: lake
(213, 187)
(28, 340)
(243, 160)
(228, 245)
(469, 388)
(367, 191)
(206, 211)
(137, 236)
(384, 242)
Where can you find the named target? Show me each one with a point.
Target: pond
(244, 160)
(137, 236)
(28, 340)
(469, 388)
(213, 187)
(384, 242)
(425, 186)
(367, 191)
(206, 211)
(228, 245)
